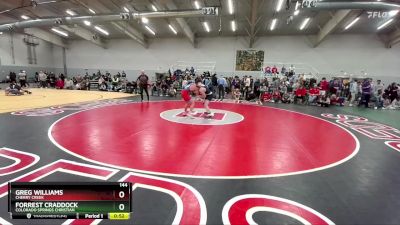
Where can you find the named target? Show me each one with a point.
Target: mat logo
(55, 110)
(362, 125)
(190, 204)
(220, 117)
(216, 116)
(370, 129)
(393, 144)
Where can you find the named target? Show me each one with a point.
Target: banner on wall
(249, 60)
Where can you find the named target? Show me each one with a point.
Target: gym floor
(271, 164)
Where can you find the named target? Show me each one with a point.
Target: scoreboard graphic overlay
(76, 200)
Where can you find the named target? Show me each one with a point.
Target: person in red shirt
(59, 84)
(274, 70)
(313, 95)
(276, 96)
(300, 93)
(324, 86)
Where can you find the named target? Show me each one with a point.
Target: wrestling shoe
(187, 114)
(208, 114)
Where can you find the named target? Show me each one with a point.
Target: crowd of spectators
(288, 87)
(275, 87)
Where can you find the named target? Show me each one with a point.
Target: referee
(143, 82)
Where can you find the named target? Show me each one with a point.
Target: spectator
(393, 92)
(283, 70)
(214, 82)
(324, 86)
(69, 84)
(336, 100)
(22, 78)
(379, 99)
(247, 86)
(276, 96)
(129, 88)
(13, 77)
(274, 70)
(102, 84)
(313, 94)
(324, 100)
(164, 88)
(236, 95)
(43, 79)
(114, 83)
(286, 98)
(291, 70)
(353, 92)
(51, 79)
(221, 87)
(300, 93)
(366, 93)
(59, 83)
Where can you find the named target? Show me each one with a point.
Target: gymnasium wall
(349, 53)
(45, 53)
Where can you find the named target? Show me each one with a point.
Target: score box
(78, 200)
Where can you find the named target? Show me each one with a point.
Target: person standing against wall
(13, 77)
(221, 87)
(143, 82)
(366, 92)
(43, 79)
(353, 92)
(214, 82)
(22, 78)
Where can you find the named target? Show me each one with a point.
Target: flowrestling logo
(379, 14)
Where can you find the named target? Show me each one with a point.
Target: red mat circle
(268, 142)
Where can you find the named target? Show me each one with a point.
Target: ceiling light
(233, 25)
(297, 5)
(126, 9)
(273, 24)
(296, 12)
(25, 17)
(303, 25)
(150, 30)
(385, 24)
(101, 30)
(145, 20)
(92, 11)
(352, 23)
(70, 12)
(205, 24)
(87, 22)
(393, 12)
(279, 5)
(1, 33)
(46, 2)
(154, 8)
(172, 28)
(65, 34)
(196, 4)
(230, 7)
